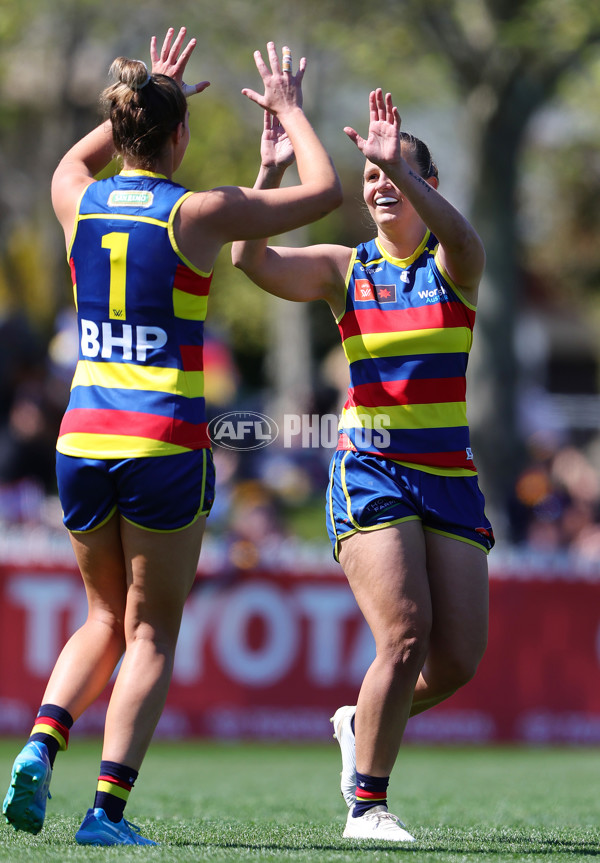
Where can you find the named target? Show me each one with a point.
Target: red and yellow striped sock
(51, 727)
(370, 791)
(114, 786)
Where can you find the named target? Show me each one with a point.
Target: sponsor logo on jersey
(131, 198)
(106, 339)
(434, 295)
(363, 291)
(386, 293)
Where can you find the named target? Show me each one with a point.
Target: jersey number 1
(117, 244)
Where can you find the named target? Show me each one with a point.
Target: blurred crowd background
(505, 94)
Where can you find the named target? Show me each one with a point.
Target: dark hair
(144, 110)
(421, 154)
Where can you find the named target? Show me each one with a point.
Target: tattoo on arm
(420, 180)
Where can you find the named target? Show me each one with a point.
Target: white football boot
(342, 731)
(377, 823)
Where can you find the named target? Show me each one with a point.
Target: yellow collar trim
(136, 173)
(404, 262)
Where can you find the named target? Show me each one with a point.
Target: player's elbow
(334, 195)
(242, 258)
(237, 254)
(323, 196)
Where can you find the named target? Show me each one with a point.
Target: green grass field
(253, 802)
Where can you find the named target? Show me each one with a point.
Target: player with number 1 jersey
(134, 468)
(138, 389)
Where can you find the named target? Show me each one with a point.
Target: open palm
(276, 149)
(172, 63)
(383, 141)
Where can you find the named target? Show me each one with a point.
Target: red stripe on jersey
(125, 423)
(434, 459)
(435, 316)
(430, 459)
(190, 282)
(192, 357)
(72, 266)
(408, 392)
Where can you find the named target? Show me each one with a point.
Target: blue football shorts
(158, 493)
(367, 492)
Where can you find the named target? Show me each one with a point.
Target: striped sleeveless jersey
(406, 332)
(138, 388)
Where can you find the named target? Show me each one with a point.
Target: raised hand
(276, 149)
(170, 62)
(283, 90)
(383, 142)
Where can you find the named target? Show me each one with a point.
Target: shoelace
(388, 816)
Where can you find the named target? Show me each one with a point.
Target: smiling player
(404, 511)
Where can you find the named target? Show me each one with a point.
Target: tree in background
(508, 59)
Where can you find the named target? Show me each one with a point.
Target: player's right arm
(76, 170)
(297, 274)
(210, 219)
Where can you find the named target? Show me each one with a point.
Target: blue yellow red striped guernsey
(138, 389)
(407, 333)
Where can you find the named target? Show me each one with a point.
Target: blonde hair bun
(133, 73)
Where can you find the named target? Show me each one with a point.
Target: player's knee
(111, 620)
(157, 636)
(405, 649)
(459, 668)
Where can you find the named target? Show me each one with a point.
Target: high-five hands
(383, 142)
(283, 89)
(170, 62)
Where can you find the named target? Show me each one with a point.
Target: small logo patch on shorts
(375, 507)
(487, 536)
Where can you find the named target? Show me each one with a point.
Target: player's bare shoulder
(210, 203)
(338, 258)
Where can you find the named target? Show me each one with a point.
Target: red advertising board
(271, 653)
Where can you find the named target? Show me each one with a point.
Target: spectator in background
(555, 506)
(29, 422)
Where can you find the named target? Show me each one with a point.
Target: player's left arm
(460, 252)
